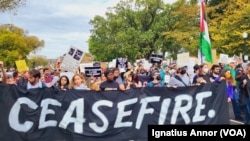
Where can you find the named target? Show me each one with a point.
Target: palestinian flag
(205, 45)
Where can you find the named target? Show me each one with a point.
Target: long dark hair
(59, 81)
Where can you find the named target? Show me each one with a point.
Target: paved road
(232, 119)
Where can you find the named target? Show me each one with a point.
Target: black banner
(76, 115)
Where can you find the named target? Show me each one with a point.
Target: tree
(227, 21)
(16, 44)
(133, 28)
(214, 2)
(183, 32)
(8, 5)
(36, 61)
(137, 28)
(87, 57)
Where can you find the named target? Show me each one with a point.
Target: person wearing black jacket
(23, 80)
(244, 87)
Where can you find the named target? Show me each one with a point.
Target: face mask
(172, 71)
(205, 70)
(183, 72)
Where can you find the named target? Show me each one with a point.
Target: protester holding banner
(196, 69)
(63, 83)
(78, 82)
(96, 81)
(156, 79)
(172, 69)
(155, 66)
(215, 72)
(118, 78)
(180, 79)
(56, 77)
(11, 78)
(34, 80)
(110, 83)
(203, 75)
(128, 81)
(141, 70)
(16, 76)
(23, 80)
(136, 81)
(47, 76)
(142, 74)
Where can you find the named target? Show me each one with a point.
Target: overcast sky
(60, 23)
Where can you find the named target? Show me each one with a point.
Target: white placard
(72, 59)
(183, 59)
(223, 58)
(83, 65)
(112, 64)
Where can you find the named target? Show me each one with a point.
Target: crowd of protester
(235, 74)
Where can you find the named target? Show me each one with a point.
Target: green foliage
(183, 32)
(15, 44)
(8, 5)
(36, 61)
(136, 28)
(131, 29)
(228, 20)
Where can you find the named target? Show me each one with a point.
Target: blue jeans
(236, 103)
(247, 108)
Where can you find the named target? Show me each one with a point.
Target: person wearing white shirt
(34, 80)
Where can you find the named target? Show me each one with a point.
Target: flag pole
(201, 49)
(205, 44)
(201, 18)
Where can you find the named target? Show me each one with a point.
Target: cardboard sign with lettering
(93, 71)
(72, 59)
(156, 58)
